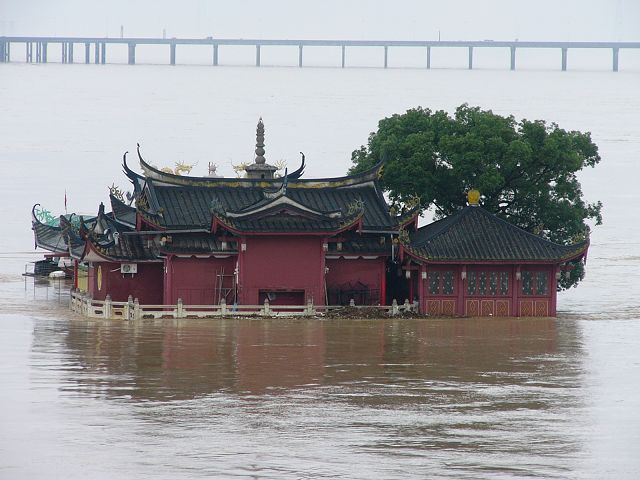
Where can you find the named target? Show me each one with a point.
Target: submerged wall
(105, 278)
(291, 265)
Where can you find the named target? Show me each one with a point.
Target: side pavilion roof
(475, 235)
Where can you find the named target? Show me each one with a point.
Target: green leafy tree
(525, 170)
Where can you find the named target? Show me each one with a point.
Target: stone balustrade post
(137, 313)
(106, 310)
(129, 308)
(310, 311)
(394, 307)
(223, 307)
(352, 303)
(407, 305)
(266, 309)
(180, 309)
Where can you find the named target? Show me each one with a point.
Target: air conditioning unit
(129, 268)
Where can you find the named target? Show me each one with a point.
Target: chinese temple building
(473, 263)
(295, 241)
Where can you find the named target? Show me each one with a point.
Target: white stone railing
(132, 310)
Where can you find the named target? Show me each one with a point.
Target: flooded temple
(286, 240)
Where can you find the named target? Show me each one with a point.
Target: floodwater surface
(278, 398)
(315, 398)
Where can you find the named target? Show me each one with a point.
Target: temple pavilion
(295, 241)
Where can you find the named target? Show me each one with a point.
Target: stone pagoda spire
(260, 169)
(260, 143)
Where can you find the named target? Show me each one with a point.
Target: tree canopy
(525, 170)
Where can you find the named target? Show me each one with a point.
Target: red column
(421, 290)
(323, 266)
(553, 291)
(241, 241)
(75, 274)
(168, 281)
(383, 281)
(515, 291)
(460, 284)
(410, 280)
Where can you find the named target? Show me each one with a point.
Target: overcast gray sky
(351, 19)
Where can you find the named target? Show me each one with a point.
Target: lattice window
(527, 283)
(447, 283)
(504, 283)
(542, 280)
(488, 283)
(535, 283)
(441, 283)
(493, 283)
(434, 283)
(482, 283)
(471, 283)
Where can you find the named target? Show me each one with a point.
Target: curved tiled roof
(473, 234)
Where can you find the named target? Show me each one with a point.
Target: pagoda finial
(260, 143)
(473, 197)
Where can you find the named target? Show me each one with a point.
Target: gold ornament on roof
(473, 197)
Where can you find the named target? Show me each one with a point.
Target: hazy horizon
(569, 20)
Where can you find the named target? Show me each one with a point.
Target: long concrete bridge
(99, 47)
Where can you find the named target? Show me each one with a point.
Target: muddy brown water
(313, 398)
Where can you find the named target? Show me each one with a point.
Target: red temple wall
(514, 303)
(285, 263)
(145, 285)
(194, 280)
(370, 272)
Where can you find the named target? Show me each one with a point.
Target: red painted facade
(484, 290)
(105, 278)
(358, 278)
(287, 266)
(199, 281)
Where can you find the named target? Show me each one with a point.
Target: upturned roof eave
(580, 251)
(217, 222)
(173, 179)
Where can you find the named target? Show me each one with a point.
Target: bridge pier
(132, 54)
(215, 55)
(564, 59)
(63, 53)
(3, 49)
(103, 53)
(386, 56)
(29, 52)
(428, 57)
(513, 58)
(44, 52)
(299, 55)
(172, 54)
(96, 53)
(470, 58)
(87, 51)
(257, 55)
(344, 54)
(70, 50)
(616, 51)
(38, 52)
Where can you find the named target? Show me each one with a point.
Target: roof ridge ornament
(473, 197)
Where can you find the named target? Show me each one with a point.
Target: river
(463, 398)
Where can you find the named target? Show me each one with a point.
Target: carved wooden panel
(448, 308)
(526, 308)
(486, 307)
(502, 308)
(542, 308)
(433, 307)
(473, 308)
